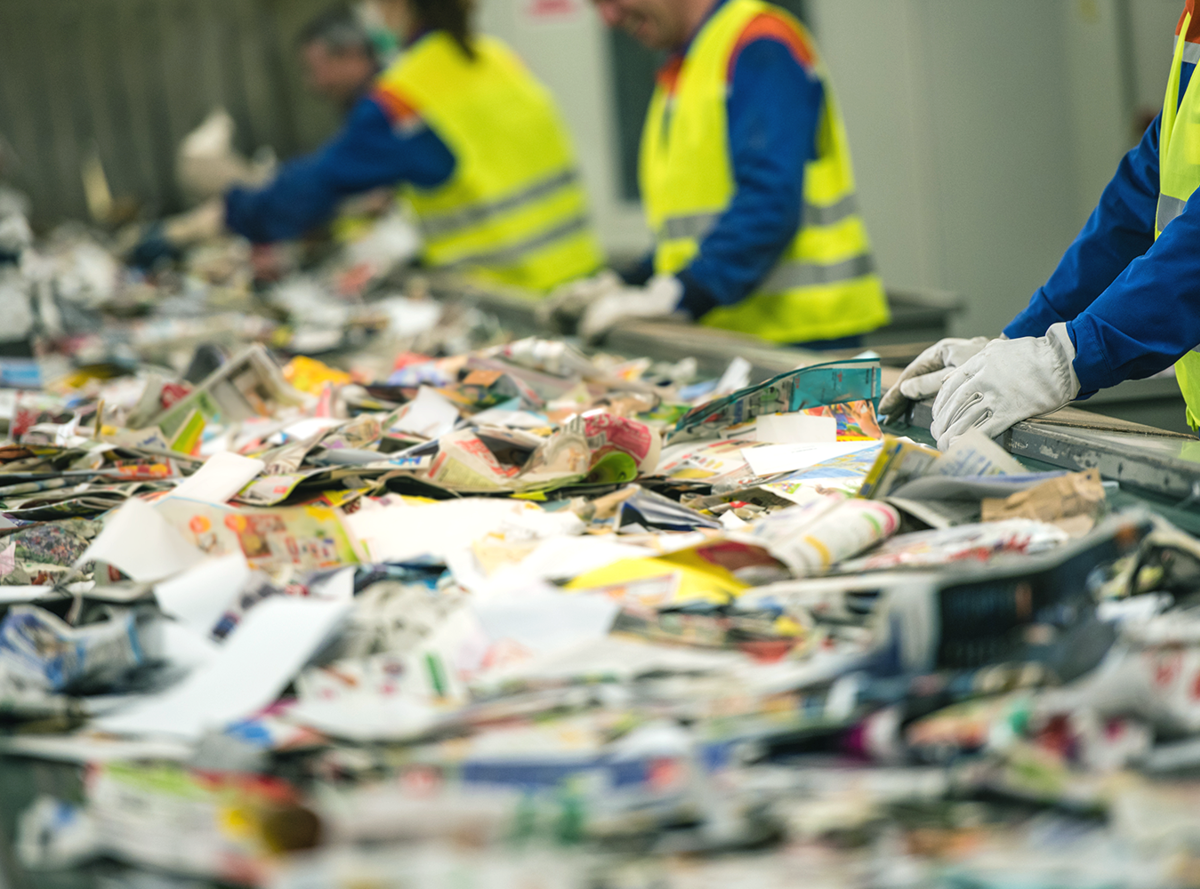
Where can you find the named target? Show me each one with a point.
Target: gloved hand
(923, 378)
(658, 299)
(1008, 381)
(165, 240)
(198, 224)
(563, 308)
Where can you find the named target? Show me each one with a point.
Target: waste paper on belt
(328, 583)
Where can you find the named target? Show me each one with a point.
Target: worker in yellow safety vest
(473, 141)
(1124, 302)
(747, 184)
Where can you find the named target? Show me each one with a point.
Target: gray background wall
(128, 78)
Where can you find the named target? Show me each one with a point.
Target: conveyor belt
(1163, 463)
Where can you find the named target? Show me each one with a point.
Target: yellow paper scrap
(673, 579)
(311, 376)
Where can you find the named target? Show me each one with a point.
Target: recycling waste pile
(323, 583)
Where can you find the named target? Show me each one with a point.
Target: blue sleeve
(774, 105)
(1120, 229)
(1149, 317)
(368, 152)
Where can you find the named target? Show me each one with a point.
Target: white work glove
(562, 309)
(1008, 381)
(923, 378)
(658, 299)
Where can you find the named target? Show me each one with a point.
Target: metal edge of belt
(1076, 449)
(1065, 447)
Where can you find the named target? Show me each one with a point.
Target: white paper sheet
(561, 558)
(19, 595)
(338, 586)
(771, 459)
(185, 648)
(511, 419)
(303, 430)
(545, 620)
(795, 428)
(429, 414)
(272, 643)
(221, 476)
(396, 533)
(84, 749)
(976, 454)
(366, 717)
(611, 656)
(198, 598)
(736, 376)
(141, 543)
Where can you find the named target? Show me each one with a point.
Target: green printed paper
(836, 382)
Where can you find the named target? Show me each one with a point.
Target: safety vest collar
(1191, 32)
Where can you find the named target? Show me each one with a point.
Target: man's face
(339, 76)
(659, 24)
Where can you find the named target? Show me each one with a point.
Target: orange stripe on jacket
(1193, 35)
(668, 74)
(395, 106)
(764, 26)
(771, 26)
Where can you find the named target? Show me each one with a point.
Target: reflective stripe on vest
(694, 227)
(509, 256)
(793, 274)
(1179, 177)
(699, 225)
(823, 285)
(445, 224)
(1168, 209)
(831, 215)
(514, 210)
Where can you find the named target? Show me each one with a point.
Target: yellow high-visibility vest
(824, 285)
(514, 211)
(1178, 178)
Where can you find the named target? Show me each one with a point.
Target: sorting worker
(341, 59)
(1124, 302)
(746, 181)
(474, 141)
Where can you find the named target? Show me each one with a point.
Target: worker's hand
(146, 246)
(924, 377)
(1008, 381)
(658, 299)
(200, 224)
(562, 309)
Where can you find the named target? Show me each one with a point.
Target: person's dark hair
(451, 16)
(339, 29)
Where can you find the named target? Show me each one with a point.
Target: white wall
(982, 132)
(1100, 94)
(1153, 28)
